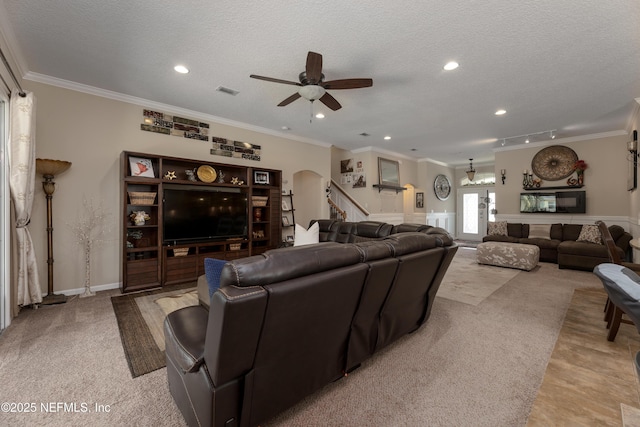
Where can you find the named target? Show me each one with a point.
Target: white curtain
(22, 167)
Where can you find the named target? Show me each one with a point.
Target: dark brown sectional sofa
(562, 247)
(285, 323)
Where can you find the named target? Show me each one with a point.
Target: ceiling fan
(313, 86)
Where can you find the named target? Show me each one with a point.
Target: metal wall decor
(554, 163)
(442, 187)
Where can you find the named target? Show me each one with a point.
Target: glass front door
(477, 206)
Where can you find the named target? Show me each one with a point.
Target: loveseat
(285, 323)
(559, 243)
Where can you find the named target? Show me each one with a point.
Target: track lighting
(528, 137)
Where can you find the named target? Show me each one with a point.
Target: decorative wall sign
(166, 124)
(237, 149)
(554, 163)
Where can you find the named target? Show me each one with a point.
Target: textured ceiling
(568, 65)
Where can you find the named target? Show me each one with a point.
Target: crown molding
(435, 162)
(371, 148)
(564, 140)
(145, 103)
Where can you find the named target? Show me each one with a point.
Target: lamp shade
(48, 167)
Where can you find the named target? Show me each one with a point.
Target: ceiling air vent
(227, 90)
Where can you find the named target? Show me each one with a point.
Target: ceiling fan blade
(330, 101)
(289, 100)
(347, 84)
(271, 79)
(314, 67)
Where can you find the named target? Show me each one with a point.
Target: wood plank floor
(589, 381)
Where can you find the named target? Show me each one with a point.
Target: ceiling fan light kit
(311, 92)
(313, 87)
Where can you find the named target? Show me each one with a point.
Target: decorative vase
(257, 214)
(580, 178)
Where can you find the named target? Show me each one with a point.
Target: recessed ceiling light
(319, 116)
(387, 137)
(285, 128)
(181, 69)
(451, 65)
(501, 112)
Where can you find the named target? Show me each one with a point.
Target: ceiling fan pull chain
(311, 116)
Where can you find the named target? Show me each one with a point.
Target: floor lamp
(49, 169)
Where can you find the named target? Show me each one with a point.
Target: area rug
(468, 282)
(140, 318)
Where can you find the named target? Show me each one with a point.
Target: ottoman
(512, 255)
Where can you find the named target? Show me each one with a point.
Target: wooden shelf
(381, 187)
(560, 187)
(154, 264)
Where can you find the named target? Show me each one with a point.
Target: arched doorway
(310, 201)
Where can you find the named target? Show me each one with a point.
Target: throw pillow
(540, 231)
(498, 228)
(307, 237)
(590, 233)
(212, 271)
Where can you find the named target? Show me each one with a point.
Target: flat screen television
(200, 214)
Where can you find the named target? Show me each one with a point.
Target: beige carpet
(471, 283)
(470, 365)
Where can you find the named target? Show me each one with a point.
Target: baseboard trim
(96, 288)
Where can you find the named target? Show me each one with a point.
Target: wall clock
(554, 163)
(442, 187)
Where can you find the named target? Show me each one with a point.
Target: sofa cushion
(583, 249)
(517, 230)
(405, 243)
(541, 243)
(373, 249)
(556, 231)
(409, 227)
(539, 231)
(616, 232)
(590, 233)
(571, 231)
(277, 265)
(212, 270)
(307, 237)
(496, 238)
(497, 228)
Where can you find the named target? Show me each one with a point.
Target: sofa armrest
(184, 333)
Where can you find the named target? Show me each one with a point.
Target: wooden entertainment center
(148, 260)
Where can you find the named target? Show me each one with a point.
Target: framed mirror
(388, 172)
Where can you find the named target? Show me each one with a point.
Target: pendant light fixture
(471, 173)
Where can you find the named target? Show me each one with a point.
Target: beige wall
(376, 202)
(91, 132)
(605, 179)
(427, 172)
